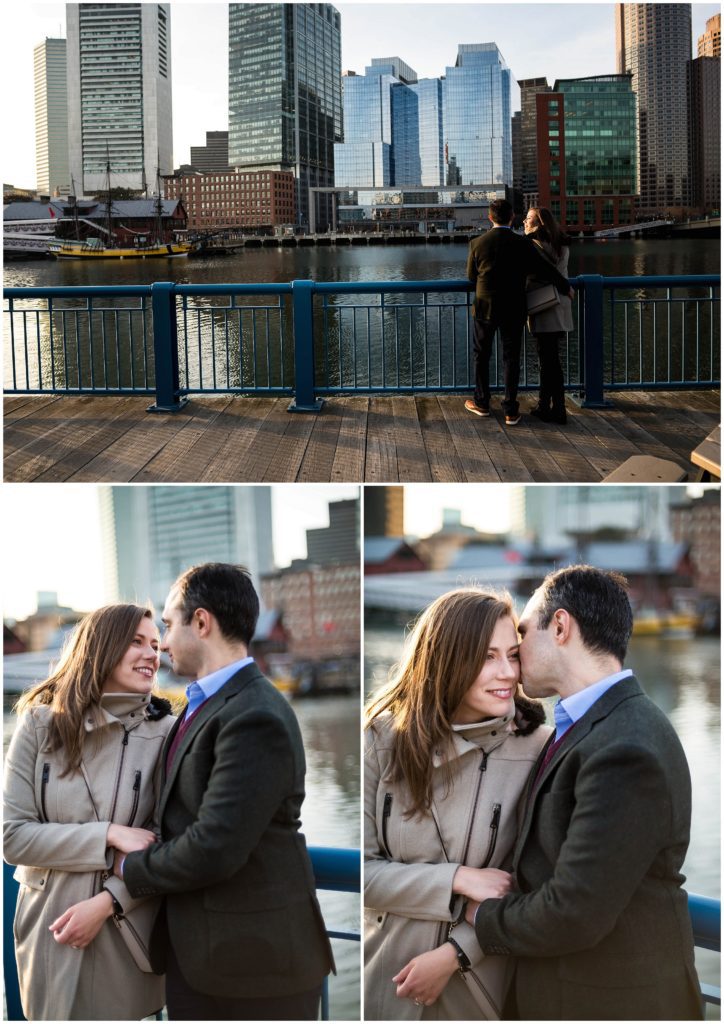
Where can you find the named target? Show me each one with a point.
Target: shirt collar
(200, 690)
(578, 703)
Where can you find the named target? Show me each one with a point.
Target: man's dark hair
(224, 590)
(500, 211)
(597, 600)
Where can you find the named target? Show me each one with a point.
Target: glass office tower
(477, 117)
(285, 94)
(587, 151)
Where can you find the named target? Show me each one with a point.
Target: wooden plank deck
(223, 438)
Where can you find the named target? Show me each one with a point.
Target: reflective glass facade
(285, 96)
(587, 151)
(442, 131)
(477, 117)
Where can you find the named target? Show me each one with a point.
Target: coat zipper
(482, 768)
(43, 787)
(386, 811)
(136, 796)
(124, 744)
(494, 824)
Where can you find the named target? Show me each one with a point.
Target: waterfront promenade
(424, 437)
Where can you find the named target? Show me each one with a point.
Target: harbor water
(682, 676)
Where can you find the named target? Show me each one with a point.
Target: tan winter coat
(410, 865)
(55, 830)
(559, 318)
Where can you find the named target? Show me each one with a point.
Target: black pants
(552, 390)
(511, 332)
(186, 1003)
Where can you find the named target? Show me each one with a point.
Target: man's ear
(561, 626)
(202, 622)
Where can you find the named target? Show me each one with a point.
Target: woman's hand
(426, 975)
(481, 883)
(128, 840)
(80, 924)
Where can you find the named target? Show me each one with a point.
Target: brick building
(235, 199)
(697, 524)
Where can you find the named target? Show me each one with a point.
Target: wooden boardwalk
(372, 438)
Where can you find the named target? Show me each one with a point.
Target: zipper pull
(137, 782)
(484, 763)
(125, 737)
(495, 820)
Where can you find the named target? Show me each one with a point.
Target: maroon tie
(176, 742)
(549, 756)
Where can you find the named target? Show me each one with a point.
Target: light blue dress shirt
(199, 691)
(568, 711)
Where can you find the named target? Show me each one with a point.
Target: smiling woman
(451, 716)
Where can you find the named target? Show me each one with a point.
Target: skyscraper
(384, 511)
(587, 151)
(152, 534)
(51, 118)
(285, 94)
(214, 156)
(529, 89)
(477, 117)
(704, 80)
(653, 44)
(119, 94)
(709, 43)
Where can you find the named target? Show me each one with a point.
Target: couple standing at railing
(513, 871)
(150, 845)
(515, 277)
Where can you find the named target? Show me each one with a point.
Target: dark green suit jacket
(241, 908)
(600, 925)
(499, 264)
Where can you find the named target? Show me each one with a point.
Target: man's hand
(128, 840)
(426, 975)
(80, 924)
(481, 883)
(471, 909)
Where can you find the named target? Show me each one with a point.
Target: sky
(565, 40)
(62, 551)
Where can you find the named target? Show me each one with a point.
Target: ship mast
(109, 213)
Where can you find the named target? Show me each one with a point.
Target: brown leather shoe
(477, 410)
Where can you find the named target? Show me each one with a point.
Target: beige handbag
(539, 299)
(136, 927)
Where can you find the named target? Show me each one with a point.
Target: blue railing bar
(278, 288)
(71, 291)
(336, 868)
(705, 914)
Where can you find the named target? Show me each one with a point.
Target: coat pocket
(34, 878)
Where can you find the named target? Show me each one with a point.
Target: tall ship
(145, 245)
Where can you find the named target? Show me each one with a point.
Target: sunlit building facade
(285, 95)
(587, 152)
(653, 45)
(51, 118)
(119, 94)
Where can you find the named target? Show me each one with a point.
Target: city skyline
(428, 43)
(36, 559)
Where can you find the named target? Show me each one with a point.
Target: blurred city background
(422, 540)
(75, 548)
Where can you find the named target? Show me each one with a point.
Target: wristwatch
(464, 964)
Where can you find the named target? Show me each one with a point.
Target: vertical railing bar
(342, 311)
(65, 347)
(683, 340)
(11, 314)
(118, 347)
(280, 313)
(213, 346)
(412, 351)
(200, 348)
(226, 345)
(40, 354)
(144, 334)
(668, 333)
(325, 338)
(254, 346)
(77, 347)
(241, 343)
(656, 335)
(267, 337)
(397, 342)
(697, 350)
(454, 344)
(51, 335)
(439, 345)
(354, 350)
(91, 353)
(383, 310)
(133, 350)
(711, 332)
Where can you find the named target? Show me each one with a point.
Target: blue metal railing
(334, 869)
(305, 340)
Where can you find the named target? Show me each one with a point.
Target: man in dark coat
(242, 937)
(600, 927)
(499, 264)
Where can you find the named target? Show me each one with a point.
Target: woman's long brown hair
(74, 688)
(549, 230)
(444, 655)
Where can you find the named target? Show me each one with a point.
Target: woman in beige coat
(81, 780)
(549, 327)
(450, 744)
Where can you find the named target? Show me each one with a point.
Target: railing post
(165, 348)
(593, 342)
(303, 327)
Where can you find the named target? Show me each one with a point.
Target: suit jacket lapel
(601, 709)
(207, 709)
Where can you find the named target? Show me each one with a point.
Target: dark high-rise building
(338, 542)
(214, 156)
(587, 152)
(529, 89)
(705, 132)
(285, 94)
(384, 511)
(653, 44)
